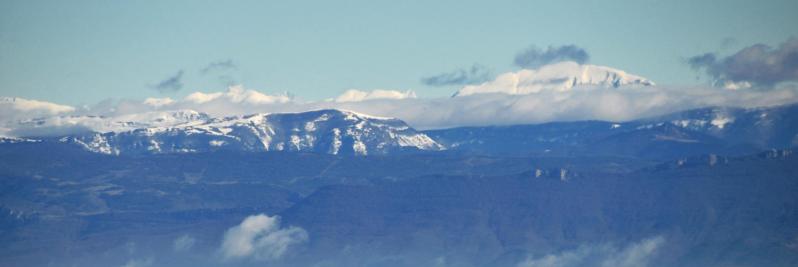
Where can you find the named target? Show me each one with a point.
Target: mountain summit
(559, 77)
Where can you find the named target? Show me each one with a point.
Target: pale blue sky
(81, 52)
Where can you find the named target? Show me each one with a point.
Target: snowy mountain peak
(321, 131)
(559, 77)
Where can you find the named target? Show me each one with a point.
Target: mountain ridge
(719, 130)
(322, 131)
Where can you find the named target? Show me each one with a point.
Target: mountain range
(719, 130)
(322, 131)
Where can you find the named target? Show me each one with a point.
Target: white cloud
(237, 94)
(260, 237)
(200, 97)
(16, 108)
(354, 95)
(158, 102)
(26, 105)
(634, 255)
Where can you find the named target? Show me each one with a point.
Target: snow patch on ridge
(721, 122)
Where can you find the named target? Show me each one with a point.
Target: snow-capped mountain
(561, 76)
(322, 131)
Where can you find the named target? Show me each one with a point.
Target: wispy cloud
(139, 263)
(605, 255)
(534, 57)
(184, 243)
(728, 42)
(474, 75)
(171, 84)
(260, 237)
(758, 65)
(219, 65)
(225, 71)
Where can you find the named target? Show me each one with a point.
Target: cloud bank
(474, 75)
(758, 65)
(15, 108)
(579, 103)
(534, 57)
(260, 237)
(21, 105)
(635, 255)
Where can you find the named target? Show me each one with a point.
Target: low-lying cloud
(474, 75)
(260, 237)
(13, 108)
(534, 57)
(578, 103)
(605, 255)
(758, 65)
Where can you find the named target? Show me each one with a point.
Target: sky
(83, 52)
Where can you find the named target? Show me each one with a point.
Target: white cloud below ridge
(260, 237)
